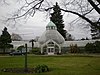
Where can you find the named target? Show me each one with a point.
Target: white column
(59, 49)
(41, 49)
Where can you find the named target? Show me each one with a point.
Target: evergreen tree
(5, 40)
(95, 33)
(57, 18)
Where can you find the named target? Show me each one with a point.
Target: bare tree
(81, 8)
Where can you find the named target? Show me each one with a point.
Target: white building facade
(51, 41)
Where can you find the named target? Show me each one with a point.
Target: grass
(59, 65)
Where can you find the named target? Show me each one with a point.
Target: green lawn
(59, 65)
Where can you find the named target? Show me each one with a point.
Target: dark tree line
(93, 47)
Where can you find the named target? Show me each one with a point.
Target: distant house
(16, 37)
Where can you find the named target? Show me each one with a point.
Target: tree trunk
(32, 44)
(4, 49)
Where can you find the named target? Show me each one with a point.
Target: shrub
(97, 46)
(74, 48)
(93, 47)
(41, 68)
(90, 47)
(36, 51)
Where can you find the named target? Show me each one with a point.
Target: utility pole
(26, 69)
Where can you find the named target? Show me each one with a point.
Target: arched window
(50, 44)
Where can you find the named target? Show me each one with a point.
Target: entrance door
(51, 51)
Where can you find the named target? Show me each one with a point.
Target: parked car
(17, 53)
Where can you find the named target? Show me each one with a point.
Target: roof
(52, 34)
(51, 24)
(80, 43)
(19, 43)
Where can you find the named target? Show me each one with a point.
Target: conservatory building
(51, 40)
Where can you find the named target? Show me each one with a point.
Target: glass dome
(51, 33)
(51, 26)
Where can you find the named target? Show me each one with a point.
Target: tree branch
(94, 6)
(30, 9)
(83, 17)
(98, 1)
(88, 12)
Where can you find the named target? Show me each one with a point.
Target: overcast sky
(36, 25)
